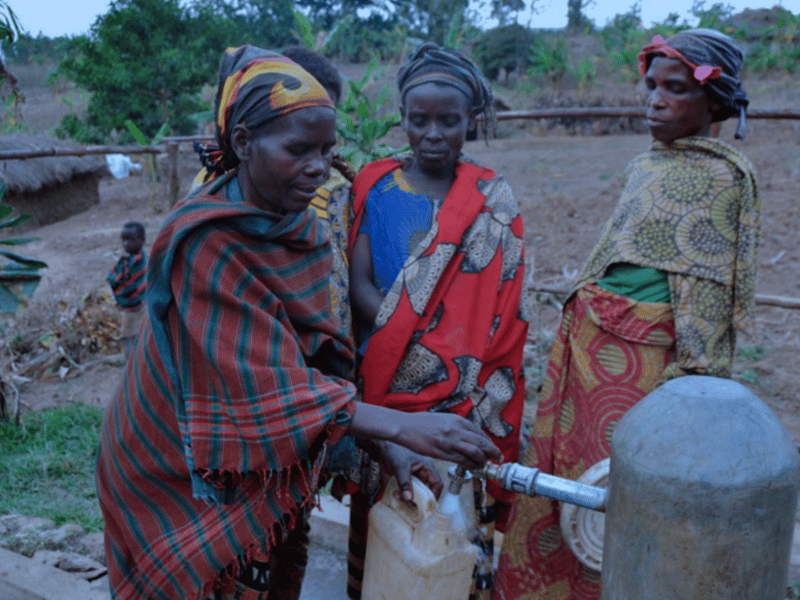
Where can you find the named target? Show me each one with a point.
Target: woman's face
(436, 119)
(283, 164)
(677, 106)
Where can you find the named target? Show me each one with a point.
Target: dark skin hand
(403, 463)
(438, 435)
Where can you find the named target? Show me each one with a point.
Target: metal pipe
(458, 477)
(531, 481)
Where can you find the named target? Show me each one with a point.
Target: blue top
(396, 219)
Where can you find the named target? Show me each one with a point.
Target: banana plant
(140, 138)
(304, 32)
(550, 57)
(9, 26)
(362, 122)
(585, 73)
(19, 275)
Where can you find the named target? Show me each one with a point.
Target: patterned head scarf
(716, 63)
(255, 87)
(432, 63)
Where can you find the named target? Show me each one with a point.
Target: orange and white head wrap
(255, 87)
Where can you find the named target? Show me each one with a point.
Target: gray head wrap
(710, 48)
(432, 63)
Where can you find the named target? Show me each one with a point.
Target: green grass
(753, 352)
(47, 466)
(793, 592)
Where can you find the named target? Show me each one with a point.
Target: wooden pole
(761, 299)
(24, 154)
(174, 179)
(625, 111)
(188, 138)
(782, 301)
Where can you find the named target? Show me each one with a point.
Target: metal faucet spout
(531, 481)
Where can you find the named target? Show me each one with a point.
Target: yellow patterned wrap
(690, 208)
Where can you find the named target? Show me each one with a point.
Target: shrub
(503, 48)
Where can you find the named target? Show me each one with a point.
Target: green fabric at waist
(643, 284)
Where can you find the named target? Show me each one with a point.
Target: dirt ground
(567, 187)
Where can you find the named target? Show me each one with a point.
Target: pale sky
(60, 17)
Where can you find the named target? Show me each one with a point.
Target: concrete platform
(326, 573)
(23, 579)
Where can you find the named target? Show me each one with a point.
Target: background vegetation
(150, 61)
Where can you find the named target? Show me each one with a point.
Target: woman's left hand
(403, 463)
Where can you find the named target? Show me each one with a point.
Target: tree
(147, 61)
(9, 30)
(712, 16)
(430, 19)
(507, 47)
(576, 18)
(325, 14)
(263, 23)
(503, 10)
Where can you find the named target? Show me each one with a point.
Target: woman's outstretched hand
(438, 435)
(403, 463)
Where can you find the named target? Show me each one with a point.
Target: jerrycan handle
(423, 498)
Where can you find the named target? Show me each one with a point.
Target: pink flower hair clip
(702, 73)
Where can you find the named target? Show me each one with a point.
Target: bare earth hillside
(567, 187)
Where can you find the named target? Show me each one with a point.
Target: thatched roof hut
(48, 188)
(758, 25)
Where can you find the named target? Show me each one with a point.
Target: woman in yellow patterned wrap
(662, 295)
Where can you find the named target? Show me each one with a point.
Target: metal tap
(458, 477)
(531, 481)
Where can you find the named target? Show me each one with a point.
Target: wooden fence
(171, 147)
(761, 299)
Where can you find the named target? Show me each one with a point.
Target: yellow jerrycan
(417, 553)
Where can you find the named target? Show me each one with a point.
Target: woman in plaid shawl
(662, 295)
(211, 452)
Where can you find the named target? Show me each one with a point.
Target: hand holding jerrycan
(415, 553)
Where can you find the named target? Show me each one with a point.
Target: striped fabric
(212, 447)
(128, 280)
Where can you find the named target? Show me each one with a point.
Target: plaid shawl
(213, 444)
(450, 332)
(127, 280)
(690, 208)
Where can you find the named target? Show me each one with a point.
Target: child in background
(128, 282)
